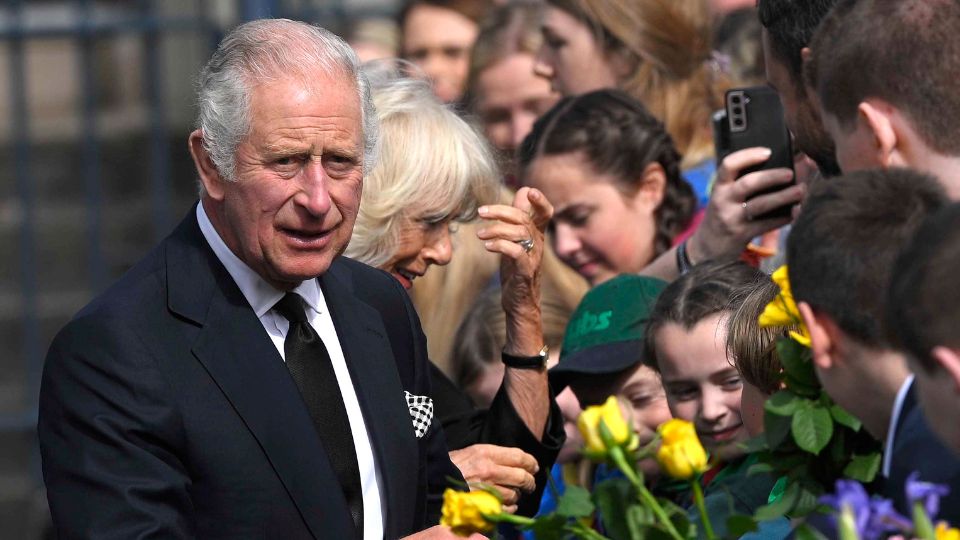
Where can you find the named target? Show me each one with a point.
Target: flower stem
(702, 508)
(923, 527)
(616, 454)
(509, 518)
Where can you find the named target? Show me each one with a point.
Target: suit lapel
(239, 356)
(380, 392)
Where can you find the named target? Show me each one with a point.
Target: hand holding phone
(753, 117)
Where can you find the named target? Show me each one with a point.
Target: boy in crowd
(885, 73)
(839, 255)
(923, 314)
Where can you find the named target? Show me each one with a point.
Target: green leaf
(800, 387)
(637, 516)
(863, 468)
(806, 532)
(784, 403)
(776, 428)
(613, 498)
(807, 500)
(812, 428)
(779, 507)
(551, 526)
(760, 468)
(738, 525)
(796, 362)
(844, 418)
(575, 503)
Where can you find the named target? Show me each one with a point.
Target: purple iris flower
(926, 492)
(873, 518)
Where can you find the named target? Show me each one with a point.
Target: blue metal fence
(143, 20)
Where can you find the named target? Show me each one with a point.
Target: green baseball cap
(606, 331)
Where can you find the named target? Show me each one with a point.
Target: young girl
(686, 343)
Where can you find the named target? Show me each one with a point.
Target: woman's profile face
(422, 242)
(596, 229)
(702, 385)
(571, 58)
(439, 40)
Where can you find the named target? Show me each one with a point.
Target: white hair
(432, 166)
(265, 50)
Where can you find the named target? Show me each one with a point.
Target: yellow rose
(782, 310)
(464, 512)
(944, 532)
(621, 433)
(681, 455)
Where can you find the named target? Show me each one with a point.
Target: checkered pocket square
(421, 412)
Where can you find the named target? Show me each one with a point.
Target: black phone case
(756, 119)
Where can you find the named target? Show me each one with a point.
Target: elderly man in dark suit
(243, 381)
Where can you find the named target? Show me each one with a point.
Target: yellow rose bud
(681, 455)
(621, 433)
(676, 430)
(782, 310)
(464, 512)
(944, 532)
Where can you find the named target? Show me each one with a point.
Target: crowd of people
(420, 251)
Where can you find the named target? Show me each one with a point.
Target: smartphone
(754, 117)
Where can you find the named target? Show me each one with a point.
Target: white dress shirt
(262, 297)
(894, 420)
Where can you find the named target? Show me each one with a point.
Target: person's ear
(876, 119)
(206, 169)
(623, 61)
(822, 339)
(949, 360)
(653, 186)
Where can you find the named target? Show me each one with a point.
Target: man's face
(801, 112)
(299, 175)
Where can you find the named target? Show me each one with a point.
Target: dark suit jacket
(916, 448)
(166, 411)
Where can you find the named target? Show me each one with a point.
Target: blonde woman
(433, 171)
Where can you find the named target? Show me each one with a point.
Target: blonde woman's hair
(432, 166)
(669, 44)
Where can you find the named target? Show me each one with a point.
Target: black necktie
(309, 364)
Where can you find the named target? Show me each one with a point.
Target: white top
(894, 420)
(262, 296)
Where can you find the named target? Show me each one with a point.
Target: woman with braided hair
(613, 175)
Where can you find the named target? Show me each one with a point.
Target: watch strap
(526, 362)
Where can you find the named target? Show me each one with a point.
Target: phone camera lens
(737, 110)
(738, 122)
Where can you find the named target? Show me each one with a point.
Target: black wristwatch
(527, 362)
